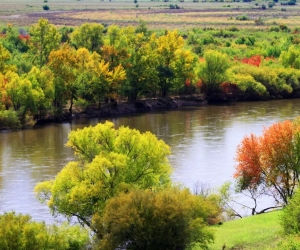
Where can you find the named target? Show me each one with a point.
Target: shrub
(46, 7)
(242, 18)
(247, 84)
(233, 29)
(171, 6)
(9, 120)
(291, 215)
(19, 232)
(274, 29)
(156, 220)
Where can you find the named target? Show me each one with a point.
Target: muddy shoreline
(116, 109)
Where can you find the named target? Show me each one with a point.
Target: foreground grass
(254, 232)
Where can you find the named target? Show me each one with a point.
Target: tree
(212, 71)
(271, 160)
(63, 63)
(110, 161)
(89, 36)
(21, 95)
(19, 232)
(44, 38)
(4, 57)
(42, 79)
(141, 70)
(171, 219)
(291, 214)
(167, 45)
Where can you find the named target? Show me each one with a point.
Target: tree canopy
(110, 161)
(271, 160)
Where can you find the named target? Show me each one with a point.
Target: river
(203, 142)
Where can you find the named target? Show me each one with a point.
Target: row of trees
(91, 66)
(44, 69)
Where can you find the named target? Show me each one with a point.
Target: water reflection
(203, 142)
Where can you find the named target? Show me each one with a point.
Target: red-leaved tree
(270, 162)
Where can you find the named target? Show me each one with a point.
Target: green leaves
(171, 218)
(19, 232)
(110, 161)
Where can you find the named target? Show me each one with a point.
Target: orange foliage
(229, 88)
(248, 154)
(277, 144)
(253, 60)
(272, 158)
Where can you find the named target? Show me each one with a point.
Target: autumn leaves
(271, 161)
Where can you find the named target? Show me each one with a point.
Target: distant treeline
(45, 69)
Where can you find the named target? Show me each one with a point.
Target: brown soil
(70, 18)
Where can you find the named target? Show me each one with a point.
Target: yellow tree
(4, 57)
(64, 64)
(109, 161)
(105, 80)
(176, 64)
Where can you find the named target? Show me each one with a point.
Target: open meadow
(157, 14)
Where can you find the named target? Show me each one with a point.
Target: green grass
(254, 232)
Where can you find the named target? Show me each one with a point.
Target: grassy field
(157, 14)
(255, 232)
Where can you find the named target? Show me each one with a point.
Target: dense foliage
(270, 163)
(19, 232)
(44, 70)
(120, 188)
(171, 218)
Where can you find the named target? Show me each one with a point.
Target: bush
(19, 232)
(291, 215)
(249, 85)
(156, 220)
(171, 6)
(242, 18)
(46, 7)
(9, 120)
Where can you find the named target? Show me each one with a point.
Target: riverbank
(114, 109)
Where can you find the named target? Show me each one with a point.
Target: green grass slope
(254, 232)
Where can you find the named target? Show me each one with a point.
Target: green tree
(44, 38)
(141, 71)
(89, 36)
(171, 219)
(212, 71)
(291, 213)
(291, 58)
(110, 161)
(21, 94)
(19, 232)
(42, 79)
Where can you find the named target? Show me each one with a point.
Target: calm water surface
(203, 142)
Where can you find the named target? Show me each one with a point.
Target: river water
(203, 142)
